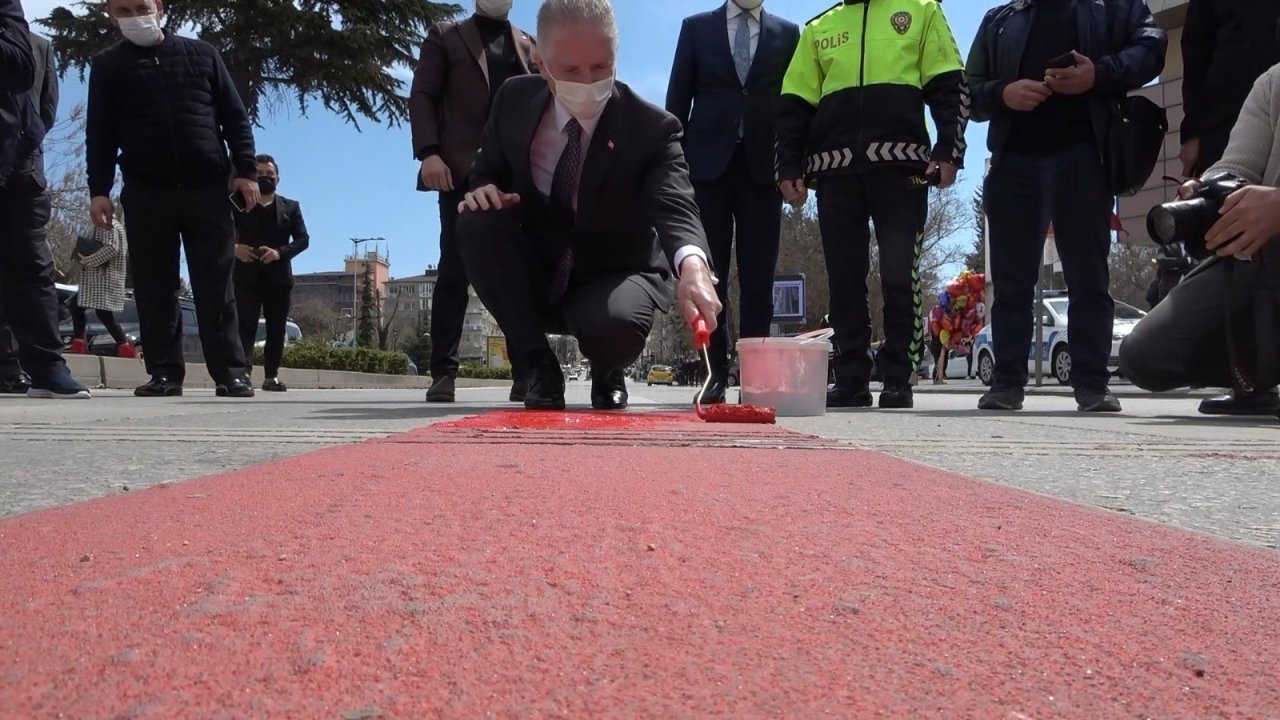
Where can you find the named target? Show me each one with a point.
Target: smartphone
(237, 201)
(1063, 61)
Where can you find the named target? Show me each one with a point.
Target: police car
(1055, 348)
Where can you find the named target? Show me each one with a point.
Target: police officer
(852, 124)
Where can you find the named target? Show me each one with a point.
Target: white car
(292, 333)
(1056, 349)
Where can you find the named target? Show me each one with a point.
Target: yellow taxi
(661, 375)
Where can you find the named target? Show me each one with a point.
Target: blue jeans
(1022, 195)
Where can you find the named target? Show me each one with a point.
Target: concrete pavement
(1158, 460)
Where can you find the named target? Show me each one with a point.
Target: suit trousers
(1023, 194)
(734, 208)
(26, 276)
(269, 301)
(161, 222)
(610, 314)
(847, 204)
(450, 299)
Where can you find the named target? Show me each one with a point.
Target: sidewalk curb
(122, 374)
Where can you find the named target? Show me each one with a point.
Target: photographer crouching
(1220, 327)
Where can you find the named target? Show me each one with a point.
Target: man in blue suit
(725, 85)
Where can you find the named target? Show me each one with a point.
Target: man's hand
(696, 293)
(244, 253)
(1075, 80)
(101, 212)
(947, 173)
(248, 190)
(794, 192)
(487, 197)
(1250, 218)
(268, 255)
(1188, 189)
(435, 174)
(1189, 156)
(1025, 95)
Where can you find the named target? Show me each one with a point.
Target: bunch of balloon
(960, 313)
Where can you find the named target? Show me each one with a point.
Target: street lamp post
(355, 284)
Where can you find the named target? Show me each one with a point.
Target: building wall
(1168, 94)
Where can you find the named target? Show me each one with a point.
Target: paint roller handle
(701, 335)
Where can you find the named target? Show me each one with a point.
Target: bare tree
(68, 190)
(1132, 270)
(389, 332)
(317, 319)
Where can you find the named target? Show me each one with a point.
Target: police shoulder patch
(901, 22)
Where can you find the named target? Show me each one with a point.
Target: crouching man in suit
(580, 208)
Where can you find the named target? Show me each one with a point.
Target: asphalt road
(1158, 460)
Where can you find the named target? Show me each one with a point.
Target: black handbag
(1136, 130)
(87, 245)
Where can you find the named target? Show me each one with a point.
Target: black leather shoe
(519, 389)
(159, 387)
(844, 396)
(1001, 399)
(609, 392)
(546, 387)
(897, 397)
(274, 385)
(235, 388)
(1237, 403)
(443, 389)
(715, 392)
(15, 384)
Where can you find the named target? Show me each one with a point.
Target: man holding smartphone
(164, 108)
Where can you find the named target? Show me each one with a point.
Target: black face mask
(267, 185)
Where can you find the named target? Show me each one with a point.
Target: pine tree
(343, 53)
(365, 333)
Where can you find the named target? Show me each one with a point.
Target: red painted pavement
(419, 577)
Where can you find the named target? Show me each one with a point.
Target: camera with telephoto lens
(1186, 222)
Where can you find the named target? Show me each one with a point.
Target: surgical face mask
(143, 30)
(748, 4)
(493, 8)
(584, 101)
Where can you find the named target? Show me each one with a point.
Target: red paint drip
(552, 420)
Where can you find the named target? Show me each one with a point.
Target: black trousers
(10, 365)
(735, 208)
(449, 302)
(847, 205)
(1182, 342)
(609, 314)
(26, 276)
(270, 301)
(160, 222)
(80, 323)
(1023, 194)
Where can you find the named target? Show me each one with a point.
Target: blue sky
(361, 183)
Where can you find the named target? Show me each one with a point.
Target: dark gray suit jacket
(636, 206)
(45, 91)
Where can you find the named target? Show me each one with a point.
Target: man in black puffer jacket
(166, 109)
(26, 269)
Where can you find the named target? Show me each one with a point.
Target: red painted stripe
(425, 579)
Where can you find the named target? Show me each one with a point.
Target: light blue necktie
(742, 48)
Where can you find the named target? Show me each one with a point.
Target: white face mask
(748, 4)
(143, 30)
(494, 8)
(584, 101)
